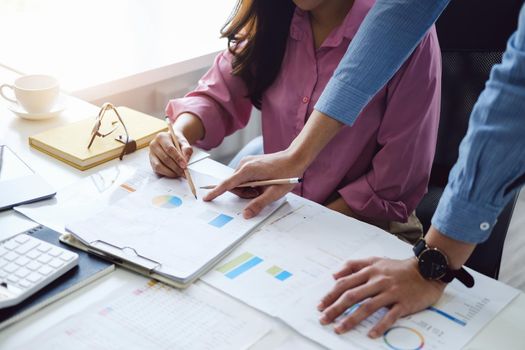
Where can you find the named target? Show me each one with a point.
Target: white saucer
(22, 113)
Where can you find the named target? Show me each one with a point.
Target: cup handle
(2, 92)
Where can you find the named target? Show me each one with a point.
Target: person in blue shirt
(489, 171)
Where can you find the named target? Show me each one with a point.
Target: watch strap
(462, 275)
(419, 247)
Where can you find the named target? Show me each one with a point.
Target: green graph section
(274, 270)
(235, 262)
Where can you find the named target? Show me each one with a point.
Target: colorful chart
(403, 338)
(220, 220)
(447, 315)
(239, 265)
(279, 273)
(166, 201)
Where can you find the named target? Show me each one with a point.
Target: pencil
(186, 171)
(293, 180)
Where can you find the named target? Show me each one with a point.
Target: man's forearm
(387, 36)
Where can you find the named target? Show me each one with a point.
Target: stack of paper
(164, 229)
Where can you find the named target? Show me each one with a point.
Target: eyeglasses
(129, 144)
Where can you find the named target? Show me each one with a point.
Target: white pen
(293, 180)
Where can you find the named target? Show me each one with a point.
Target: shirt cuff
(342, 102)
(464, 220)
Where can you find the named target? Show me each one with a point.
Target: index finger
(230, 183)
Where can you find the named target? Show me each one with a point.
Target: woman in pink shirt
(281, 55)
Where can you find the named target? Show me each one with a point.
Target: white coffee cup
(35, 93)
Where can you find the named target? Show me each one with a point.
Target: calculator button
(34, 277)
(33, 254)
(55, 252)
(56, 263)
(24, 248)
(11, 268)
(23, 272)
(13, 279)
(45, 270)
(33, 265)
(44, 259)
(11, 256)
(10, 245)
(44, 248)
(22, 261)
(21, 239)
(66, 257)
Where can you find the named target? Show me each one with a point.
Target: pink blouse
(380, 165)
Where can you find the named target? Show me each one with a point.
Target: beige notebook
(69, 143)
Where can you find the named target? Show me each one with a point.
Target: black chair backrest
(472, 36)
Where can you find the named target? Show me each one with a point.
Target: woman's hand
(164, 157)
(264, 167)
(292, 162)
(377, 283)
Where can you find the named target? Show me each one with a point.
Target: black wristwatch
(433, 265)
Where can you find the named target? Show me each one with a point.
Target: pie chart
(403, 338)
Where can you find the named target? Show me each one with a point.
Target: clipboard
(129, 258)
(130, 264)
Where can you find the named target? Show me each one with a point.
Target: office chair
(473, 36)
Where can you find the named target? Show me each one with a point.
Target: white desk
(506, 331)
(99, 48)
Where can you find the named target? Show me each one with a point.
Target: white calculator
(27, 264)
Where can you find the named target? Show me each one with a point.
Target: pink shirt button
(306, 99)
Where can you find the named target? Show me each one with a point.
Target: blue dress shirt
(491, 164)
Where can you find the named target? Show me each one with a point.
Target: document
(155, 316)
(285, 269)
(179, 236)
(299, 244)
(449, 324)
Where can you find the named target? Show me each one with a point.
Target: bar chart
(246, 262)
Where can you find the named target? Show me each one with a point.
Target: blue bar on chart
(220, 220)
(449, 316)
(283, 275)
(279, 273)
(254, 261)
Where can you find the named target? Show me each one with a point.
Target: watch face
(432, 264)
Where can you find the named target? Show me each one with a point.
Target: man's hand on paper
(263, 167)
(376, 283)
(164, 157)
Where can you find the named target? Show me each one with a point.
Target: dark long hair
(257, 33)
